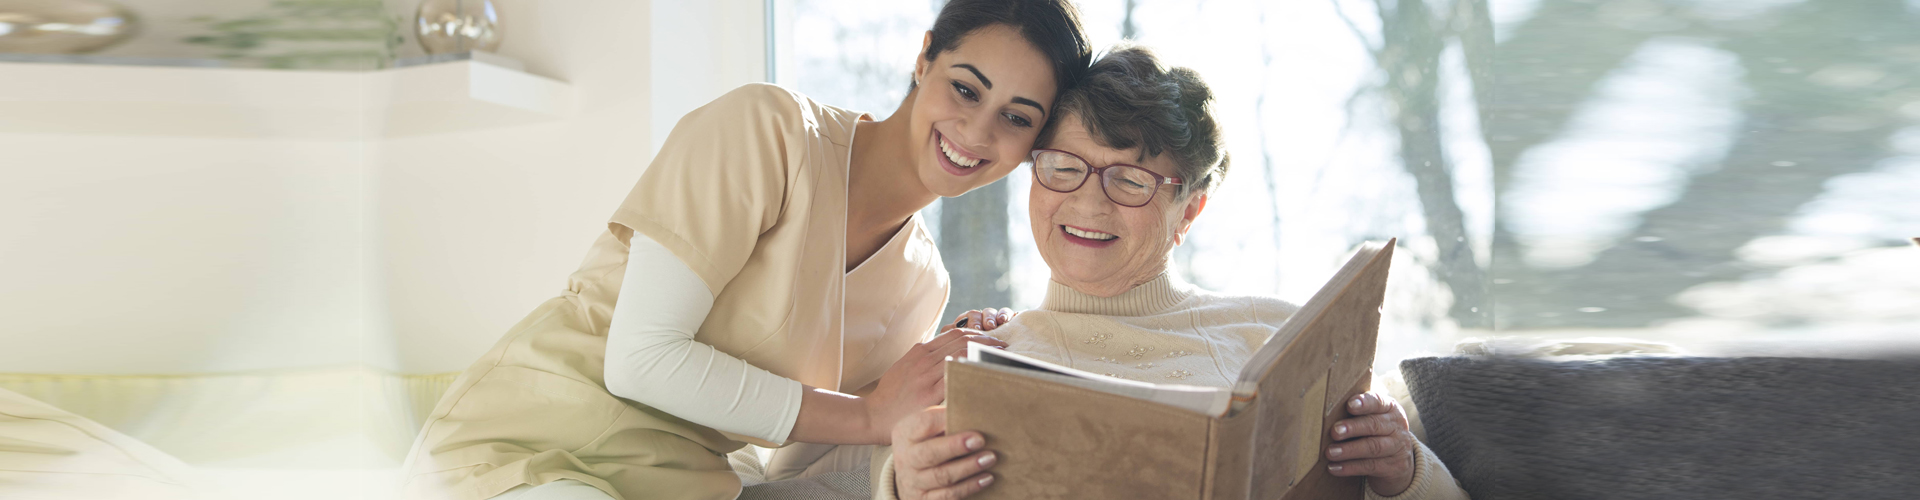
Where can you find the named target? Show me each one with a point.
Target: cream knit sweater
(1163, 331)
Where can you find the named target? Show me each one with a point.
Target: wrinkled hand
(1375, 443)
(917, 380)
(983, 319)
(928, 464)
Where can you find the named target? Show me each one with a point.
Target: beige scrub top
(750, 191)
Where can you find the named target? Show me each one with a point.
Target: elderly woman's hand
(1375, 443)
(984, 319)
(928, 464)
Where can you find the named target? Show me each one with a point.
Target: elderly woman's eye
(1131, 179)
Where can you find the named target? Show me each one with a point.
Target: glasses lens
(1058, 171)
(1130, 186)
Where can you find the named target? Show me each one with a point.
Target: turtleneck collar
(1153, 297)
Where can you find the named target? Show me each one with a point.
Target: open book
(1065, 433)
(1198, 399)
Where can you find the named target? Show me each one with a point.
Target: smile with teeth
(1091, 235)
(960, 160)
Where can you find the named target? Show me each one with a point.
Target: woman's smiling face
(1099, 247)
(978, 107)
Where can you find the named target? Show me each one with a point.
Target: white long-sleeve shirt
(652, 356)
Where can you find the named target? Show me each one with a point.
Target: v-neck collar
(899, 236)
(846, 187)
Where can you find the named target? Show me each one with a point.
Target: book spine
(1229, 469)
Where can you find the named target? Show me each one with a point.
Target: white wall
(476, 229)
(150, 254)
(470, 231)
(172, 255)
(702, 50)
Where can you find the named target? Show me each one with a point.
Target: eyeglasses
(1127, 185)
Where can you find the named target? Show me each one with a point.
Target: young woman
(767, 266)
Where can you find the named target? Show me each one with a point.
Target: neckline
(892, 242)
(846, 193)
(1158, 295)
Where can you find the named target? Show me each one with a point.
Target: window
(1328, 150)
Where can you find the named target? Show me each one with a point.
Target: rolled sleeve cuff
(1431, 481)
(883, 487)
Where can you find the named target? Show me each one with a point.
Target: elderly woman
(1117, 183)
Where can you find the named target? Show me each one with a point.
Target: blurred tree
(1801, 130)
(1412, 37)
(973, 243)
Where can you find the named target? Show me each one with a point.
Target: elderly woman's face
(1097, 246)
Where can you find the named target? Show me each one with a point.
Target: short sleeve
(719, 181)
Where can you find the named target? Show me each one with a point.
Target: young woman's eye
(965, 92)
(1019, 121)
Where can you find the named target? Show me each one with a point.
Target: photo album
(1065, 433)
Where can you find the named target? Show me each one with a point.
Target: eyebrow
(976, 74)
(989, 84)
(1029, 102)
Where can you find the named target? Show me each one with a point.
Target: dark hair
(1052, 26)
(1127, 100)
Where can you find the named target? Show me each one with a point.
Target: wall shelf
(95, 99)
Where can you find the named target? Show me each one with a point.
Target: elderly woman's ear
(1196, 203)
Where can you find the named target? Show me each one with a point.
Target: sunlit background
(237, 268)
(1738, 177)
(1734, 177)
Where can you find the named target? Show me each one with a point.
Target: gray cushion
(1673, 428)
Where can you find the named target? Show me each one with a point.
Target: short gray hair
(1128, 99)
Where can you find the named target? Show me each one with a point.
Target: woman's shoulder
(769, 103)
(1257, 308)
(761, 102)
(1271, 310)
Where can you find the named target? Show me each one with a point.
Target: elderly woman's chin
(1099, 270)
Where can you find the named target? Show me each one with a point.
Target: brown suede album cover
(1061, 436)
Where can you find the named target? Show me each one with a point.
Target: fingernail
(986, 481)
(1333, 452)
(986, 460)
(1340, 429)
(1334, 467)
(974, 443)
(1355, 403)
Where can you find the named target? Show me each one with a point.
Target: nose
(976, 131)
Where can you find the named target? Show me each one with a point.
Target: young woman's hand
(917, 380)
(928, 464)
(984, 319)
(1375, 443)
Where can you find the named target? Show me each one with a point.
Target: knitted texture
(1163, 331)
(1670, 428)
